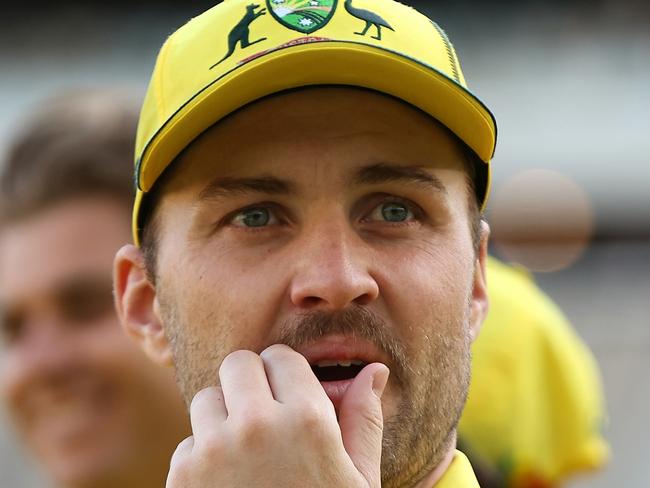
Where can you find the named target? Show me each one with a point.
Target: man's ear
(137, 305)
(480, 300)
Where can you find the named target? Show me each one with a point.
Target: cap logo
(240, 34)
(304, 16)
(371, 19)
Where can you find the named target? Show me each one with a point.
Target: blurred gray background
(569, 83)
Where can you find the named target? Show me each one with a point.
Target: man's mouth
(336, 361)
(69, 414)
(333, 370)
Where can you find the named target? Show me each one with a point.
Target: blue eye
(253, 217)
(395, 212)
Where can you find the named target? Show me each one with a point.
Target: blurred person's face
(84, 399)
(335, 221)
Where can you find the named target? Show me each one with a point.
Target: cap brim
(322, 63)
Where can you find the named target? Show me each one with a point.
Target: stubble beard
(432, 377)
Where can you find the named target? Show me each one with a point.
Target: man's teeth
(334, 363)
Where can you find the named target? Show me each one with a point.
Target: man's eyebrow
(387, 173)
(84, 285)
(78, 288)
(228, 187)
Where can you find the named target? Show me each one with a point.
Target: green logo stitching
(304, 16)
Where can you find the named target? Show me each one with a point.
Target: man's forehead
(72, 236)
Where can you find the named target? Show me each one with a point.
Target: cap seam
(450, 51)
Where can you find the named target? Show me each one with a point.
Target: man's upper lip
(342, 348)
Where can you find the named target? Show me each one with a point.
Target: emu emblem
(371, 19)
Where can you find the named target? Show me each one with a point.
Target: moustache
(357, 322)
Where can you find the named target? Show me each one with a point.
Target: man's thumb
(362, 423)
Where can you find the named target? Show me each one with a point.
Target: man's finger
(183, 450)
(290, 376)
(181, 456)
(244, 383)
(362, 422)
(207, 412)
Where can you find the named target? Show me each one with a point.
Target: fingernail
(380, 380)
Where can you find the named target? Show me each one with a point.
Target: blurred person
(535, 410)
(89, 406)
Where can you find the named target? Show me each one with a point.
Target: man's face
(335, 221)
(79, 391)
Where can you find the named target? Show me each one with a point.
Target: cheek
(425, 273)
(128, 382)
(228, 300)
(117, 363)
(98, 354)
(12, 379)
(105, 344)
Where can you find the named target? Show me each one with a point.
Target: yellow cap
(239, 52)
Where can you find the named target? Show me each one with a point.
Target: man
(86, 402)
(309, 185)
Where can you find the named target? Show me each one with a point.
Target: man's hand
(270, 424)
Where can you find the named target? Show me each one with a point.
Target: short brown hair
(77, 143)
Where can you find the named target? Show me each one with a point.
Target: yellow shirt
(535, 407)
(459, 475)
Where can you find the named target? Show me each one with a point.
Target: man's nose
(332, 270)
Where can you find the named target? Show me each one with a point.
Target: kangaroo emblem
(241, 32)
(371, 19)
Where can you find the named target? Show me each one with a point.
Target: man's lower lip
(336, 390)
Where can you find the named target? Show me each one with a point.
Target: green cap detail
(304, 16)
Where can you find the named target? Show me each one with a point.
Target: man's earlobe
(137, 306)
(480, 300)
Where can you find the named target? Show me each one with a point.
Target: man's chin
(85, 472)
(84, 464)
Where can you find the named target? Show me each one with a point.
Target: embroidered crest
(304, 16)
(241, 32)
(371, 19)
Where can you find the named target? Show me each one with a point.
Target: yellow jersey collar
(459, 475)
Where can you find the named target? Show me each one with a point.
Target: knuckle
(183, 451)
(236, 358)
(277, 351)
(283, 354)
(203, 395)
(214, 448)
(185, 445)
(310, 417)
(253, 428)
(179, 472)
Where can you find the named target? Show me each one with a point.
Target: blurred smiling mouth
(70, 413)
